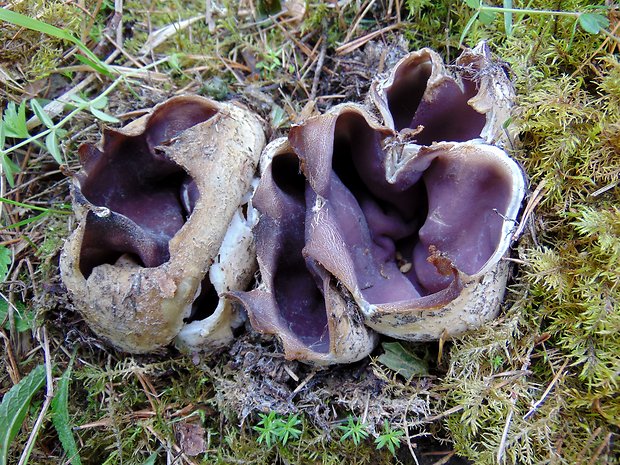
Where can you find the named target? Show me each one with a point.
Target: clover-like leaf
(593, 22)
(402, 361)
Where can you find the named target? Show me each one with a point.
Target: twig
(535, 199)
(584, 448)
(148, 389)
(118, 11)
(176, 448)
(591, 57)
(439, 416)
(317, 72)
(502, 443)
(409, 445)
(357, 43)
(159, 36)
(291, 373)
(304, 382)
(358, 20)
(547, 391)
(209, 16)
(599, 450)
(13, 370)
(49, 395)
(120, 48)
(446, 459)
(604, 189)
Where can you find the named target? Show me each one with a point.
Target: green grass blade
(5, 261)
(14, 407)
(468, 26)
(24, 222)
(60, 416)
(2, 130)
(35, 207)
(508, 18)
(34, 24)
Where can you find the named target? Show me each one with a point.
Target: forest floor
(540, 384)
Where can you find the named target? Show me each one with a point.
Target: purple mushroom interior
(149, 196)
(297, 289)
(441, 109)
(449, 200)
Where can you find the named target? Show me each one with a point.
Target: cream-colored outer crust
(233, 269)
(477, 304)
(140, 309)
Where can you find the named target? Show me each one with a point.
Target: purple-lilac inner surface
(444, 199)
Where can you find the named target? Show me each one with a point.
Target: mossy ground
(539, 385)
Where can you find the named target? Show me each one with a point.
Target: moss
(564, 323)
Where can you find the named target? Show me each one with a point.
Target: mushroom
(298, 300)
(419, 97)
(401, 223)
(158, 205)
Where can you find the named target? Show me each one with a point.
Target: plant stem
(34, 207)
(65, 120)
(525, 11)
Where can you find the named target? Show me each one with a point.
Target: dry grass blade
(349, 47)
(159, 36)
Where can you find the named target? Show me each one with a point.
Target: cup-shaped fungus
(298, 300)
(161, 229)
(471, 100)
(410, 238)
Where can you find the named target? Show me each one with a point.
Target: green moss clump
(558, 397)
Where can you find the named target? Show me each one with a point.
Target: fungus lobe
(155, 205)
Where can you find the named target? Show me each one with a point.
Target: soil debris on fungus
(537, 384)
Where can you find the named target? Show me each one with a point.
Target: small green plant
(270, 62)
(60, 416)
(390, 438)
(497, 362)
(13, 125)
(286, 429)
(266, 428)
(403, 361)
(273, 428)
(23, 318)
(354, 429)
(591, 21)
(88, 57)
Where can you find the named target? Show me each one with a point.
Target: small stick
(502, 444)
(529, 209)
(547, 391)
(49, 395)
(317, 72)
(357, 43)
(358, 20)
